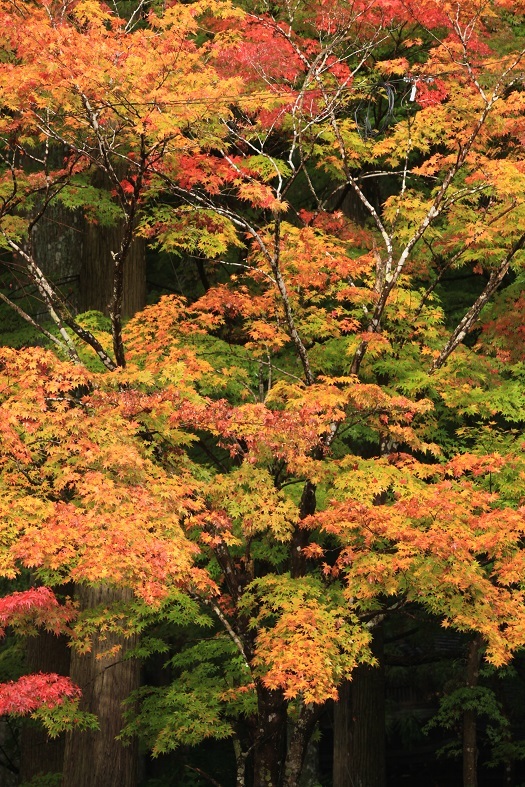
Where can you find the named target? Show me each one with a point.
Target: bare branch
(57, 311)
(27, 317)
(47, 293)
(473, 313)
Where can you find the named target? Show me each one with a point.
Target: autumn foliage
(316, 441)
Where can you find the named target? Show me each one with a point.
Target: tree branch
(473, 313)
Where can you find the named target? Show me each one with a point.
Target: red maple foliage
(31, 692)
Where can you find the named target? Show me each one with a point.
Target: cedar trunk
(40, 754)
(57, 242)
(95, 758)
(96, 271)
(359, 726)
(76, 257)
(470, 746)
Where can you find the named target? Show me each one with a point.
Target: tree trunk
(96, 758)
(240, 763)
(470, 746)
(359, 726)
(299, 738)
(310, 774)
(76, 257)
(96, 271)
(58, 242)
(270, 745)
(40, 754)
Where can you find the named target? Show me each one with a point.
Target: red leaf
(32, 691)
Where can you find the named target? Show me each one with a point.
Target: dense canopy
(313, 433)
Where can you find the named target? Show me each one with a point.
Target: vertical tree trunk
(76, 257)
(342, 732)
(299, 738)
(240, 763)
(96, 758)
(58, 242)
(310, 774)
(270, 745)
(40, 754)
(470, 746)
(96, 271)
(359, 726)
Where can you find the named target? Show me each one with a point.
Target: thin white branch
(27, 317)
(47, 293)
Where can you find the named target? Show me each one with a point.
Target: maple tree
(288, 458)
